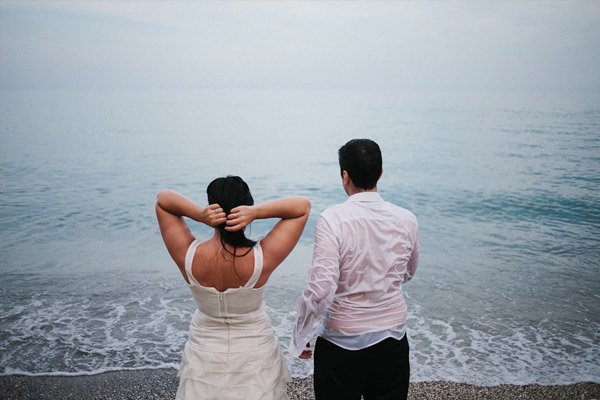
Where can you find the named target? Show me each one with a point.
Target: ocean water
(506, 187)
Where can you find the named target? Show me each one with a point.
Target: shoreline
(162, 384)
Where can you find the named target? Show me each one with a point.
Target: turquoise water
(506, 188)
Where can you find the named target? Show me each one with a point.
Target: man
(364, 250)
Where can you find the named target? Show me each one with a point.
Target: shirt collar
(366, 196)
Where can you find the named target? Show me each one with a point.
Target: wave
(135, 327)
(11, 372)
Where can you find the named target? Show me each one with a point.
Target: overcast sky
(473, 45)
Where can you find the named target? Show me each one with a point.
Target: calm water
(506, 188)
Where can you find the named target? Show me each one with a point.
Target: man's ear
(345, 177)
(381, 174)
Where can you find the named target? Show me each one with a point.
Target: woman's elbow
(306, 204)
(160, 196)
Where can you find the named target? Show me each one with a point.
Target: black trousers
(379, 372)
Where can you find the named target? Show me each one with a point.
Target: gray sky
(473, 45)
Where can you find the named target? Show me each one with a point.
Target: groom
(364, 250)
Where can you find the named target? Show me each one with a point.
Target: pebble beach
(162, 384)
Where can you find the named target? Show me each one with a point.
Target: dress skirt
(234, 358)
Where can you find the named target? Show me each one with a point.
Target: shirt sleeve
(320, 289)
(413, 261)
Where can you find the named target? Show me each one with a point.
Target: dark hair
(230, 192)
(362, 159)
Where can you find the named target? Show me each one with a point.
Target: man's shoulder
(402, 212)
(335, 214)
(347, 210)
(335, 210)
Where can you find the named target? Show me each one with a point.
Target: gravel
(162, 384)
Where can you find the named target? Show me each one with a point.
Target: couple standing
(364, 250)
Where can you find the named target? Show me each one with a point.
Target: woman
(231, 352)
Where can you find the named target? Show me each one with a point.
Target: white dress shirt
(364, 249)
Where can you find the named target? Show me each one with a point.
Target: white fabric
(189, 257)
(362, 341)
(364, 250)
(231, 352)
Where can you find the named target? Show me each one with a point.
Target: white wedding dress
(231, 352)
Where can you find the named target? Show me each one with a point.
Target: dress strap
(258, 265)
(189, 257)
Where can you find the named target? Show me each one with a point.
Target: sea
(505, 185)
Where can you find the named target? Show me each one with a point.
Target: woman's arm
(286, 208)
(171, 207)
(280, 241)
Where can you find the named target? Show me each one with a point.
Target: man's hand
(306, 355)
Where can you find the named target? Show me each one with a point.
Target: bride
(231, 352)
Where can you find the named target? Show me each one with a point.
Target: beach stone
(162, 384)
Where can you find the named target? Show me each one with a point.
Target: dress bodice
(232, 304)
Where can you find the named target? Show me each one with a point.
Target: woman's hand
(240, 217)
(212, 215)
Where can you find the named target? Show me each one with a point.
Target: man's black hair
(361, 158)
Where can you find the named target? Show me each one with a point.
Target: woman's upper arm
(175, 233)
(281, 240)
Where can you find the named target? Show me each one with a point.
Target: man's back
(377, 244)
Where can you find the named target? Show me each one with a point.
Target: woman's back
(212, 265)
(224, 299)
